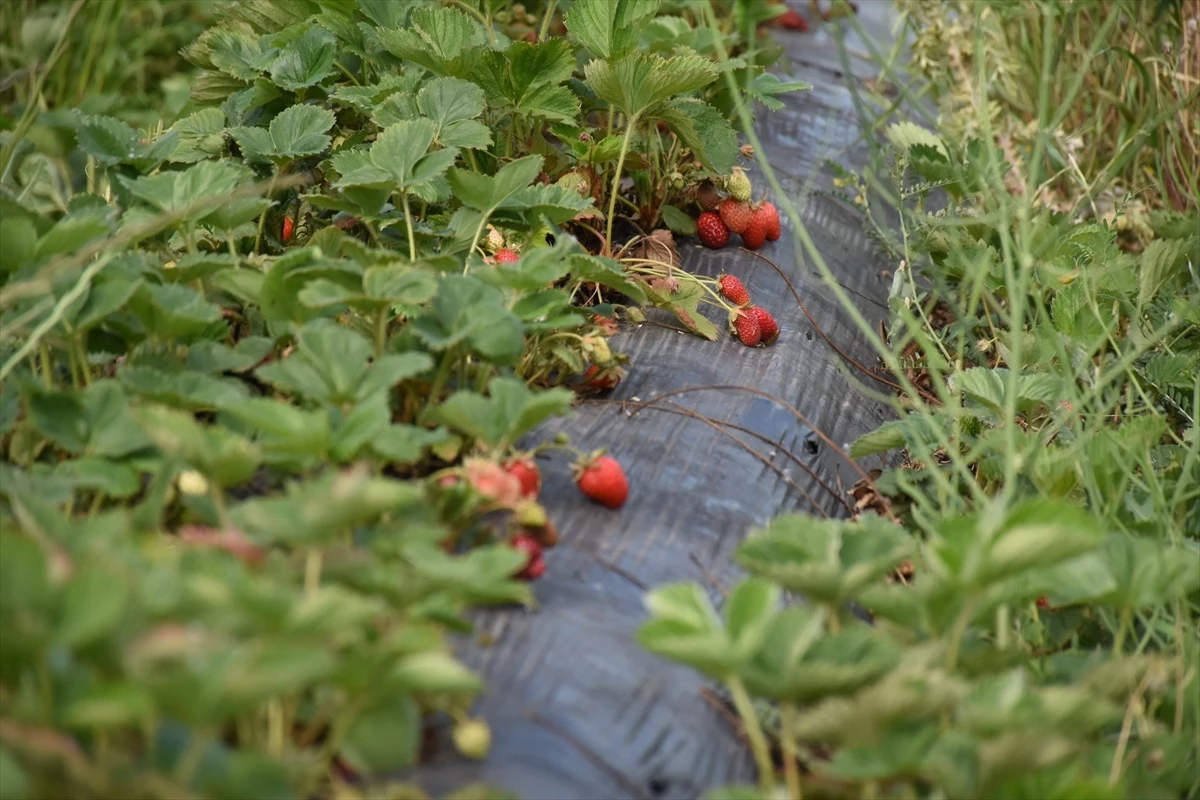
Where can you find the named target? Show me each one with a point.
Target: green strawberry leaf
(199, 136)
(222, 456)
(305, 61)
(445, 41)
(509, 411)
(609, 29)
(468, 311)
(526, 79)
(638, 83)
(237, 52)
(703, 129)
(453, 105)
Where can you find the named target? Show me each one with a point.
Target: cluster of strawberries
(515, 484)
(757, 223)
(753, 324)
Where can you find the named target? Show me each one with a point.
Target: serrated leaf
(1161, 259)
(466, 310)
(221, 455)
(19, 235)
(607, 272)
(237, 52)
(486, 193)
(453, 105)
(705, 131)
(395, 108)
(445, 41)
(609, 28)
(557, 203)
(301, 130)
(1067, 303)
(306, 61)
(387, 13)
(365, 98)
(214, 357)
(678, 221)
(888, 436)
(191, 390)
(637, 83)
(685, 305)
(176, 191)
(767, 86)
(72, 232)
(361, 426)
(398, 158)
(1178, 370)
(526, 78)
(406, 444)
(906, 134)
(175, 312)
(199, 136)
(509, 411)
(285, 430)
(255, 143)
(400, 284)
(108, 140)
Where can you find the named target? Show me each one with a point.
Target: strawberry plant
(272, 340)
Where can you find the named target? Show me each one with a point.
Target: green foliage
(1019, 617)
(258, 359)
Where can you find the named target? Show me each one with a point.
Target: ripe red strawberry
(1042, 602)
(525, 470)
(792, 21)
(771, 215)
(766, 324)
(756, 230)
(711, 230)
(603, 481)
(734, 290)
(534, 567)
(506, 256)
(735, 214)
(601, 380)
(288, 225)
(748, 332)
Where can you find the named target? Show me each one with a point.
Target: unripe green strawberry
(495, 239)
(473, 738)
(739, 185)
